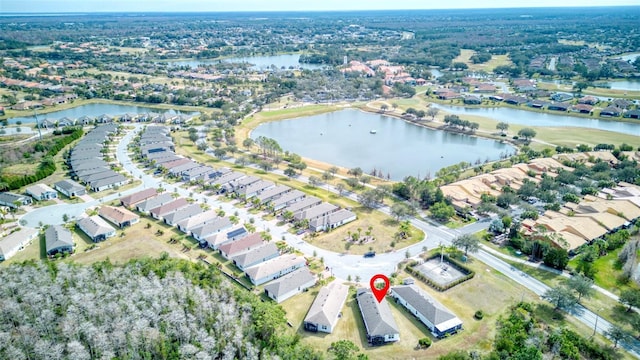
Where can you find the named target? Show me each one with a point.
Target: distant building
(16, 241)
(10, 200)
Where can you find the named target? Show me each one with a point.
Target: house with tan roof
(118, 216)
(240, 246)
(325, 311)
(137, 197)
(190, 223)
(161, 211)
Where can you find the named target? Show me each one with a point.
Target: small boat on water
(373, 131)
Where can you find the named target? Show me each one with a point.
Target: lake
(96, 109)
(524, 117)
(398, 148)
(629, 85)
(259, 62)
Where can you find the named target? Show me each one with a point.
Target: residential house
(632, 114)
(58, 239)
(559, 106)
(70, 188)
(611, 111)
(582, 108)
(589, 100)
(254, 189)
(181, 214)
(240, 246)
(260, 254)
(16, 241)
(227, 178)
(274, 268)
(187, 225)
(326, 308)
(241, 183)
(196, 173)
(108, 183)
(161, 211)
(96, 228)
(315, 212)
(440, 320)
(287, 199)
(153, 202)
(332, 220)
(13, 200)
(118, 215)
(290, 285)
(379, 323)
(305, 203)
(176, 171)
(215, 226)
(41, 192)
(132, 199)
(472, 100)
(272, 193)
(215, 240)
(561, 97)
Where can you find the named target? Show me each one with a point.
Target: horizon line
(311, 10)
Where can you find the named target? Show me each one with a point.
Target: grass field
(496, 60)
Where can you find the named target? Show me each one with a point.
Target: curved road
(341, 265)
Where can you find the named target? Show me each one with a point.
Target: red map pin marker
(379, 293)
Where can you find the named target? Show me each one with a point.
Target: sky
(50, 6)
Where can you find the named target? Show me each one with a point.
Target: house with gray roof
(93, 177)
(58, 239)
(96, 228)
(290, 285)
(227, 178)
(262, 253)
(189, 224)
(440, 320)
(272, 193)
(176, 171)
(70, 188)
(379, 323)
(163, 210)
(10, 199)
(240, 183)
(326, 308)
(108, 183)
(332, 220)
(286, 199)
(82, 174)
(182, 213)
(196, 173)
(175, 163)
(139, 196)
(153, 202)
(316, 212)
(215, 240)
(217, 225)
(41, 192)
(254, 189)
(274, 268)
(303, 204)
(159, 162)
(16, 241)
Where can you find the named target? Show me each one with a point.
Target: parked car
(370, 254)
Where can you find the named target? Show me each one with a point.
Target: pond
(629, 85)
(524, 117)
(96, 109)
(258, 62)
(397, 148)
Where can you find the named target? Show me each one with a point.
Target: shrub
(478, 315)
(424, 343)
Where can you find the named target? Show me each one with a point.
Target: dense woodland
(146, 309)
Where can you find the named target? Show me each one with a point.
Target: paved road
(341, 265)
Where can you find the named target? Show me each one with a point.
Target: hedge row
(420, 276)
(44, 170)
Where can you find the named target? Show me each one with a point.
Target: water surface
(398, 148)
